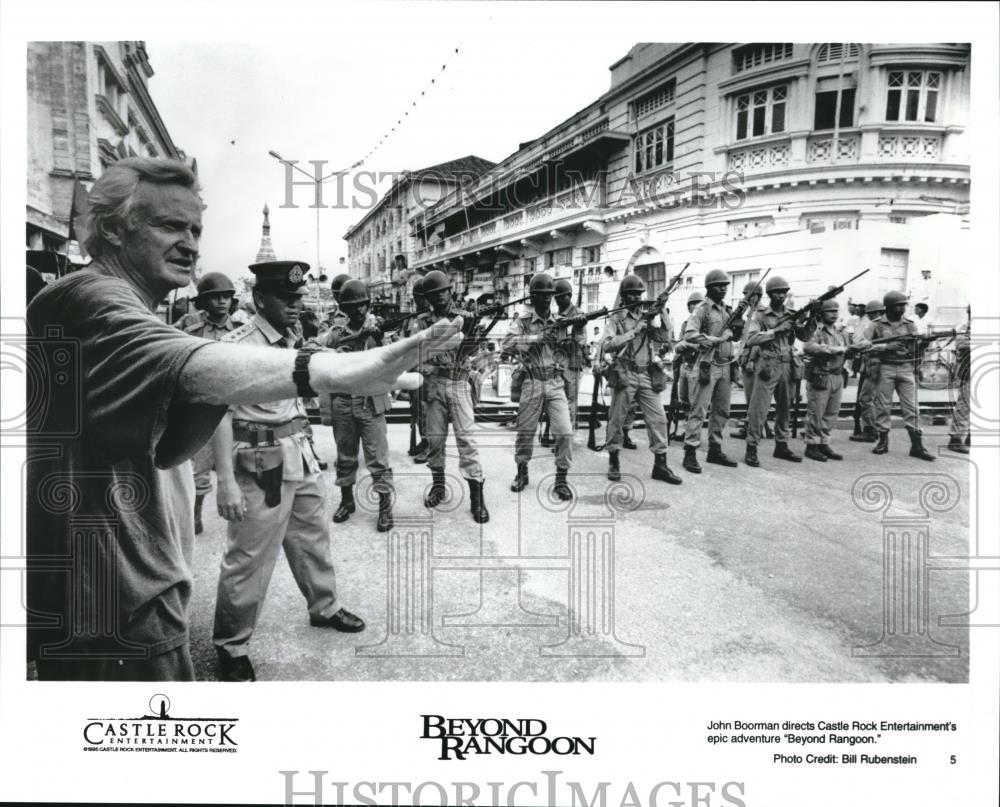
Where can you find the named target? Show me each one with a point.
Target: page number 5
(953, 759)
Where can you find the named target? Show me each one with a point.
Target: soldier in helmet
(685, 358)
(706, 329)
(535, 340)
(827, 350)
(753, 292)
(634, 375)
(572, 349)
(865, 430)
(771, 334)
(335, 315)
(417, 323)
(448, 399)
(270, 489)
(893, 367)
(215, 294)
(359, 419)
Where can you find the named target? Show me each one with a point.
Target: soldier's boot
(199, 528)
(561, 490)
(783, 452)
(690, 462)
(882, 446)
(419, 447)
(662, 473)
(742, 433)
(866, 436)
(627, 441)
(955, 443)
(614, 470)
(421, 456)
(384, 523)
(716, 456)
(477, 504)
(829, 453)
(917, 446)
(343, 512)
(751, 457)
(520, 478)
(438, 492)
(815, 452)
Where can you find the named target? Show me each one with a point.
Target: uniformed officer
(753, 292)
(827, 351)
(534, 338)
(635, 375)
(893, 367)
(334, 316)
(864, 405)
(359, 418)
(215, 294)
(448, 399)
(706, 330)
(958, 433)
(270, 490)
(416, 323)
(685, 358)
(571, 351)
(771, 334)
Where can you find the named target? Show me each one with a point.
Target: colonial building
(817, 160)
(88, 106)
(380, 246)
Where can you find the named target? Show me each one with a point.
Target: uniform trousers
(901, 379)
(551, 393)
(867, 392)
(354, 422)
(822, 408)
(572, 393)
(450, 401)
(717, 393)
(780, 386)
(299, 525)
(960, 411)
(637, 388)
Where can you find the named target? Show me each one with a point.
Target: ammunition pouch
(516, 382)
(657, 377)
(613, 378)
(704, 373)
(265, 463)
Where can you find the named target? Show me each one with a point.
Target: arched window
(835, 51)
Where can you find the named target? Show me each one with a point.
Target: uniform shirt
(618, 339)
(818, 348)
(295, 447)
(109, 494)
(766, 320)
(542, 355)
(441, 360)
(709, 319)
(573, 346)
(189, 319)
(206, 329)
(900, 353)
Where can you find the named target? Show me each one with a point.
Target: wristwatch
(300, 374)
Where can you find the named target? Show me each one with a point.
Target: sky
(228, 104)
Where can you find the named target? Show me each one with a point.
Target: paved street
(769, 574)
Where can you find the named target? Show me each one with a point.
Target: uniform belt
(543, 374)
(247, 431)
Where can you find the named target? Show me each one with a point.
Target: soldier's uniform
(543, 384)
(639, 379)
(867, 391)
(571, 354)
(712, 379)
(893, 370)
(824, 382)
(417, 402)
(959, 430)
(685, 373)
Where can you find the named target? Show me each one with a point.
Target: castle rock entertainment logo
(461, 736)
(160, 731)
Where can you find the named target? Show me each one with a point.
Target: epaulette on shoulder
(239, 333)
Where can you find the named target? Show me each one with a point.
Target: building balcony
(566, 209)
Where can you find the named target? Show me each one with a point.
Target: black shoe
(421, 446)
(384, 523)
(198, 526)
(438, 492)
(421, 456)
(521, 478)
(476, 502)
(627, 442)
(783, 452)
(751, 457)
(614, 470)
(829, 453)
(917, 446)
(955, 444)
(690, 462)
(343, 620)
(717, 457)
(561, 490)
(346, 507)
(814, 452)
(662, 473)
(882, 446)
(235, 669)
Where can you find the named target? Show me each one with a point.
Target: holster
(516, 381)
(766, 369)
(613, 378)
(265, 464)
(734, 372)
(704, 373)
(657, 377)
(818, 380)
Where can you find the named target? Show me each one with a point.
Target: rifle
(491, 311)
(476, 333)
(595, 418)
(346, 340)
(796, 404)
(663, 296)
(397, 323)
(919, 340)
(812, 308)
(673, 419)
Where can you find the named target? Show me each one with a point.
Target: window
(593, 292)
(912, 96)
(654, 147)
(558, 257)
(892, 271)
(826, 108)
(739, 279)
(592, 254)
(822, 224)
(759, 54)
(654, 275)
(761, 112)
(658, 98)
(834, 52)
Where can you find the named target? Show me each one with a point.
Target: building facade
(88, 105)
(814, 160)
(380, 247)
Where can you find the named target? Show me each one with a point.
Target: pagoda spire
(266, 252)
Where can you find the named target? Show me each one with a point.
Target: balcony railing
(826, 149)
(764, 157)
